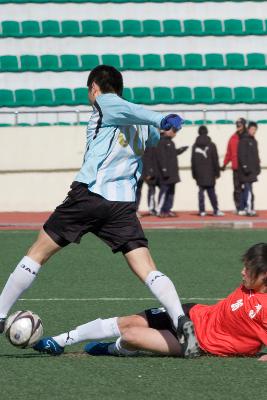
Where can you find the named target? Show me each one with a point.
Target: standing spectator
(249, 168)
(205, 170)
(168, 169)
(232, 156)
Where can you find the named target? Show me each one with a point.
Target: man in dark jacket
(168, 170)
(205, 170)
(249, 168)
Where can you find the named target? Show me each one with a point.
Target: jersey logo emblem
(237, 305)
(252, 314)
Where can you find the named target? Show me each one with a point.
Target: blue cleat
(48, 345)
(98, 348)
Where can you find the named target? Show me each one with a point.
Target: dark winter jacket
(204, 161)
(150, 173)
(248, 159)
(167, 160)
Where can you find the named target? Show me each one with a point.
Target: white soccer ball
(23, 329)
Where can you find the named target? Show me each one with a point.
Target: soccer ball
(23, 329)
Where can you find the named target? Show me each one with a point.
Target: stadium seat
(9, 64)
(203, 94)
(213, 27)
(183, 95)
(30, 28)
(29, 63)
(223, 95)
(89, 61)
(111, 27)
(224, 121)
(173, 61)
(24, 98)
(214, 61)
(6, 98)
(49, 62)
(111, 59)
(262, 121)
(162, 95)
(254, 27)
(42, 124)
(151, 27)
(202, 122)
(50, 28)
(63, 97)
(260, 95)
(70, 28)
(193, 61)
(10, 29)
(142, 95)
(193, 27)
(127, 94)
(233, 27)
(172, 27)
(131, 62)
(152, 61)
(188, 122)
(243, 94)
(81, 96)
(69, 62)
(131, 27)
(43, 97)
(256, 61)
(235, 61)
(90, 28)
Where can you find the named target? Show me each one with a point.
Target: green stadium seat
(70, 28)
(193, 27)
(6, 98)
(63, 123)
(111, 27)
(213, 27)
(63, 97)
(188, 122)
(151, 27)
(172, 27)
(90, 28)
(4, 125)
(224, 121)
(163, 95)
(49, 62)
(152, 62)
(10, 29)
(214, 61)
(111, 59)
(254, 27)
(256, 61)
(173, 61)
(50, 28)
(203, 94)
(235, 61)
(203, 122)
(223, 95)
(24, 124)
(42, 124)
(24, 98)
(243, 94)
(89, 61)
(81, 96)
(43, 97)
(131, 27)
(183, 95)
(260, 95)
(262, 121)
(69, 62)
(233, 27)
(131, 62)
(193, 61)
(142, 95)
(127, 94)
(9, 64)
(29, 63)
(30, 28)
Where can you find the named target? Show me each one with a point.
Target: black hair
(202, 130)
(242, 121)
(255, 259)
(252, 124)
(108, 78)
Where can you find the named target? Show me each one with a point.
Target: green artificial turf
(202, 264)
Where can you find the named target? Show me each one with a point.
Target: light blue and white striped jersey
(117, 134)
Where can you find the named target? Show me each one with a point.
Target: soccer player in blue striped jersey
(102, 198)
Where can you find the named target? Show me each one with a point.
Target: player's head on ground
(252, 128)
(254, 273)
(104, 79)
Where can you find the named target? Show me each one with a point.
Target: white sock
(20, 280)
(164, 290)
(116, 349)
(97, 329)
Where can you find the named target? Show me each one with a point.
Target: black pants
(151, 199)
(166, 197)
(212, 196)
(237, 190)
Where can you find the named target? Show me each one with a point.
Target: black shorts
(114, 222)
(159, 319)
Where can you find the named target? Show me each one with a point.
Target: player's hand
(263, 358)
(222, 168)
(171, 121)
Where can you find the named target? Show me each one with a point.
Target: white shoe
(218, 213)
(202, 214)
(251, 213)
(242, 213)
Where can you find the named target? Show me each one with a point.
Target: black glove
(222, 168)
